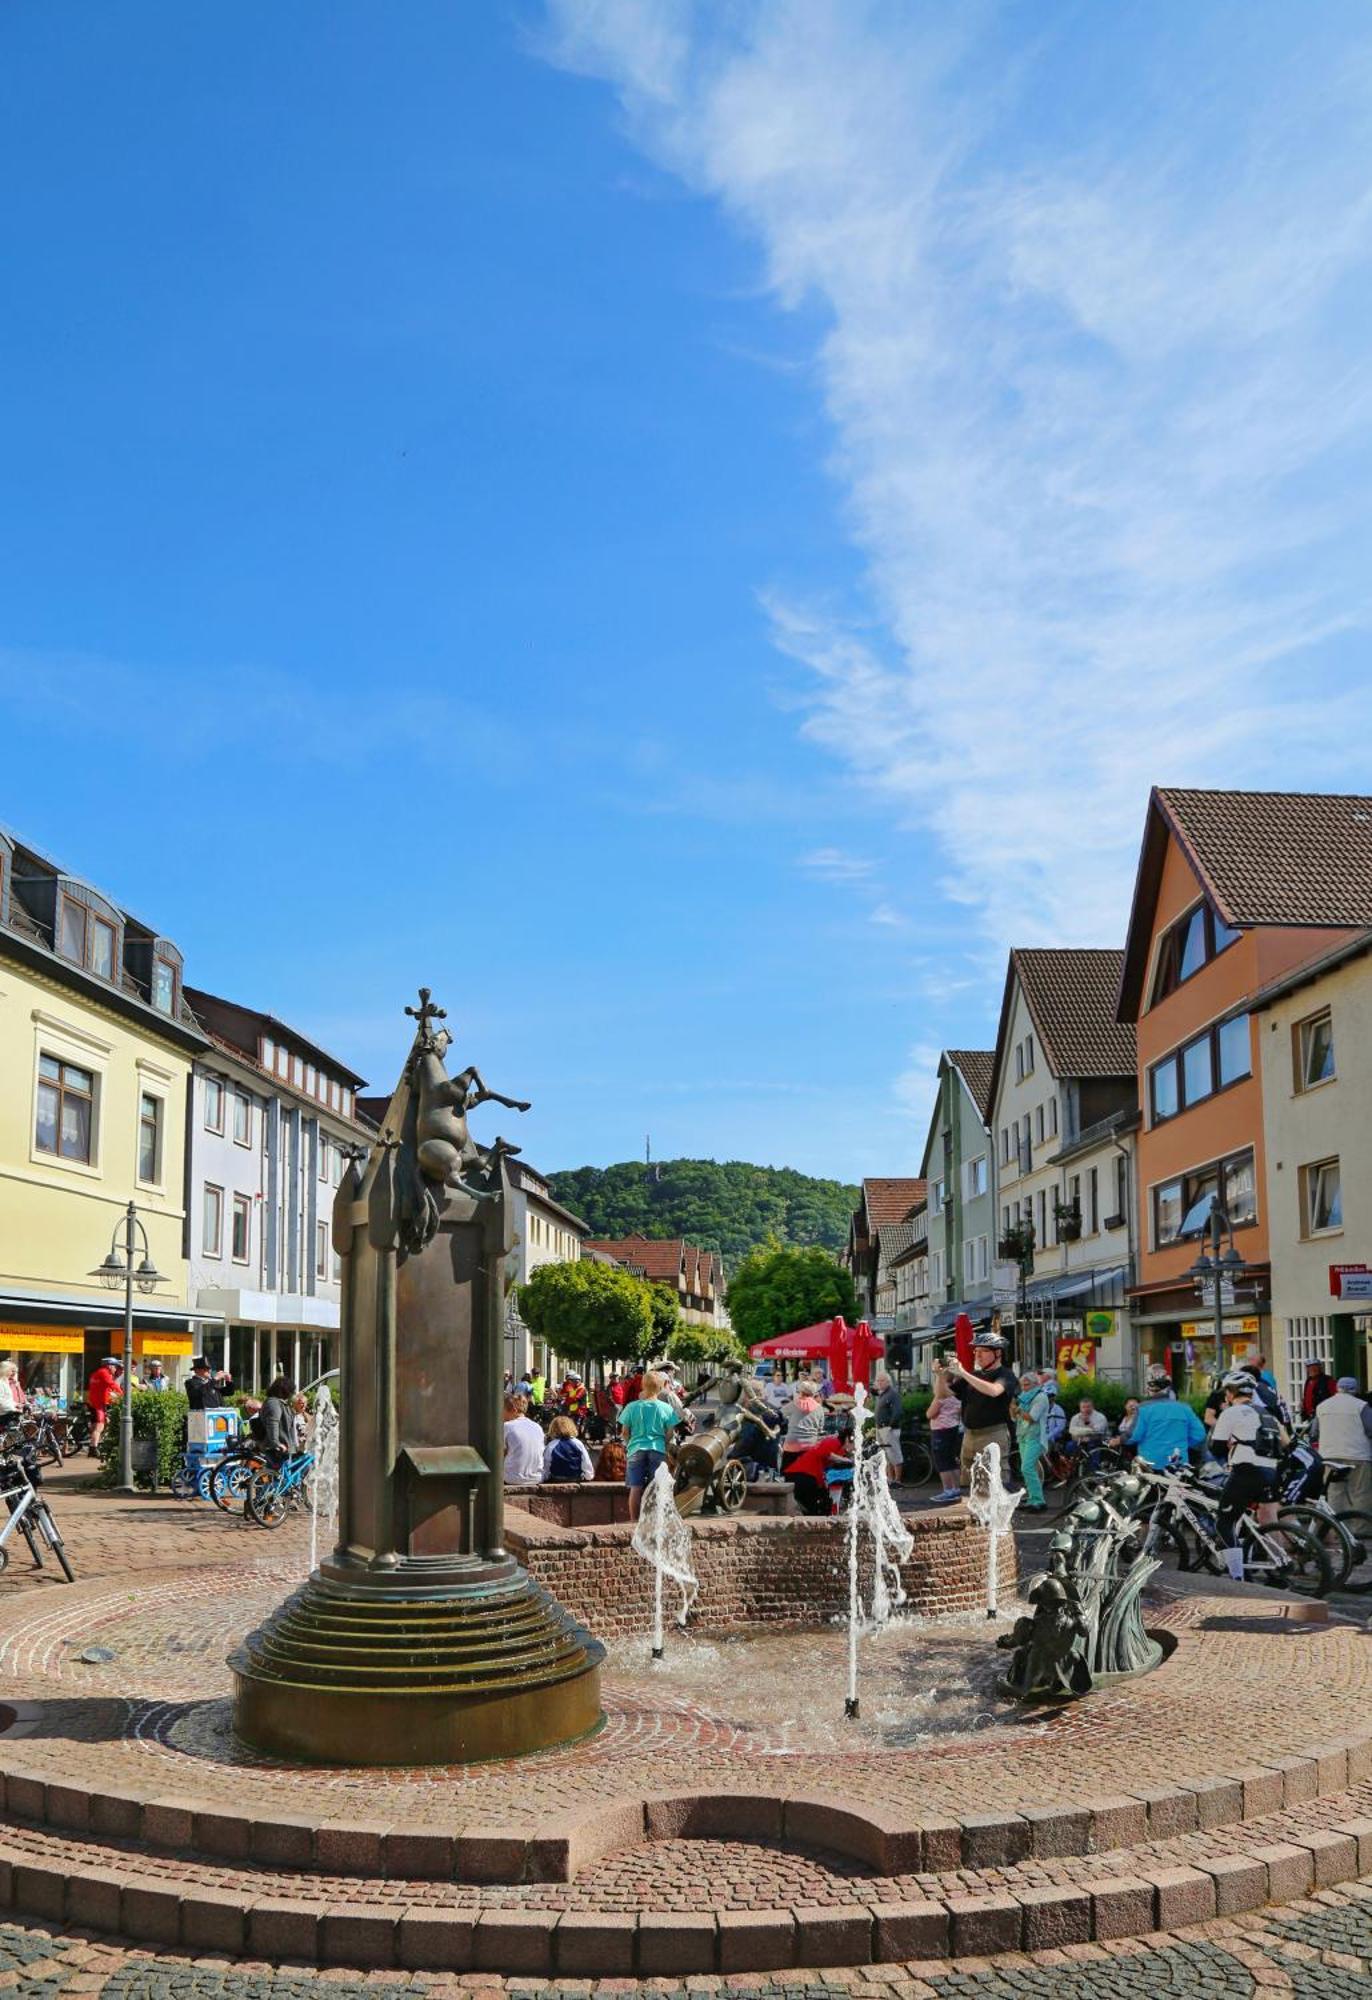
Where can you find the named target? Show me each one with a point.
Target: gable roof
(975, 1067)
(890, 1201)
(1070, 994)
(661, 1259)
(1263, 858)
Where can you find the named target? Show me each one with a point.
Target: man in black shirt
(987, 1391)
(201, 1393)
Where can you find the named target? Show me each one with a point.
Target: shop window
(1315, 1051)
(65, 1120)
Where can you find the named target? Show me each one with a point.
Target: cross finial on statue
(426, 1014)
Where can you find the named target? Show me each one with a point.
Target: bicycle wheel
(54, 1540)
(1340, 1548)
(1359, 1526)
(1300, 1564)
(1174, 1541)
(264, 1502)
(181, 1485)
(917, 1464)
(1055, 1468)
(229, 1482)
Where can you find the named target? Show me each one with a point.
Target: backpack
(565, 1460)
(1267, 1443)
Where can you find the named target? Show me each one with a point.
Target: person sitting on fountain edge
(645, 1424)
(986, 1392)
(806, 1471)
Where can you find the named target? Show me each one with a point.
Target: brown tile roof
(1281, 858)
(1071, 998)
(975, 1067)
(890, 1201)
(660, 1258)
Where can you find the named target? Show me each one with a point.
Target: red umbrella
(962, 1339)
(847, 1351)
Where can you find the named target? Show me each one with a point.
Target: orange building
(1233, 889)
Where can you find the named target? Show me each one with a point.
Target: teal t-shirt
(647, 1424)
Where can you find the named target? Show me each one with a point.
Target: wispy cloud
(1100, 384)
(833, 864)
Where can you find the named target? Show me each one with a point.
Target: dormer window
(1189, 944)
(164, 986)
(85, 938)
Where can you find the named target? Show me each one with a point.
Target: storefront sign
(1350, 1281)
(1234, 1329)
(1102, 1325)
(1076, 1359)
(43, 1339)
(160, 1344)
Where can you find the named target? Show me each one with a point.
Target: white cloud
(1098, 375)
(833, 864)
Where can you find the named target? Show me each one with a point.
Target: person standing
(1031, 1426)
(538, 1389)
(101, 1391)
(945, 1437)
(986, 1392)
(646, 1423)
(1164, 1427)
(890, 1413)
(155, 1377)
(1342, 1428)
(1317, 1388)
(202, 1392)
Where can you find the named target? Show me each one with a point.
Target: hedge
(156, 1413)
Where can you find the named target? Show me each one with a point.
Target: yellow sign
(43, 1339)
(1076, 1360)
(158, 1344)
(1101, 1325)
(1234, 1329)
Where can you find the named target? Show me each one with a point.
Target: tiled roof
(1302, 859)
(658, 1257)
(1279, 857)
(1071, 996)
(891, 1201)
(892, 1238)
(976, 1066)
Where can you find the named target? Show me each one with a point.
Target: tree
(699, 1346)
(724, 1205)
(666, 1317)
(594, 1310)
(778, 1288)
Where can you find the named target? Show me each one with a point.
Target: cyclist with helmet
(986, 1391)
(1252, 1439)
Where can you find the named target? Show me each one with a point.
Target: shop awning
(979, 1312)
(1072, 1285)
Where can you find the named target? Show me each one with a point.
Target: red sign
(1336, 1272)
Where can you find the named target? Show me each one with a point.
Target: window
(1028, 1055)
(1019, 1062)
(65, 1123)
(214, 1104)
(71, 932)
(1323, 1199)
(1121, 1187)
(1038, 1123)
(940, 1196)
(242, 1118)
(1211, 1062)
(321, 1250)
(1053, 1117)
(1005, 1220)
(1181, 1208)
(101, 944)
(1314, 1051)
(242, 1228)
(212, 1222)
(163, 986)
(149, 1138)
(309, 1078)
(1190, 944)
(974, 1177)
(268, 1052)
(983, 1257)
(324, 1151)
(969, 1259)
(1041, 1199)
(936, 1270)
(1005, 1145)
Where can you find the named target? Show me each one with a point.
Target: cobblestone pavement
(1316, 1950)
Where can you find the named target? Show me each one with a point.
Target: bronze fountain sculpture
(421, 1640)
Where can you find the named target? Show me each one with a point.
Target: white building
(1064, 1101)
(545, 1233)
(271, 1116)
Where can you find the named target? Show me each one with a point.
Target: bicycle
(917, 1460)
(1182, 1518)
(28, 1511)
(273, 1490)
(231, 1472)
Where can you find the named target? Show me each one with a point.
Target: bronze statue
(421, 1640)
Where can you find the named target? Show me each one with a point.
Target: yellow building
(96, 1046)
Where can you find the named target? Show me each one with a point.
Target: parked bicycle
(274, 1490)
(1181, 1507)
(28, 1511)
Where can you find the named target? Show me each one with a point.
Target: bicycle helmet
(994, 1340)
(1240, 1381)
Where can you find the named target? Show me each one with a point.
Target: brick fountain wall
(753, 1570)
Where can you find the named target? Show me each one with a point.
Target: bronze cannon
(707, 1478)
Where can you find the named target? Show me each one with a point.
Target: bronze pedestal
(421, 1641)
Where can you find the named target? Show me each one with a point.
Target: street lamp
(119, 1270)
(1215, 1267)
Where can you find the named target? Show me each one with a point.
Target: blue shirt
(1164, 1426)
(647, 1423)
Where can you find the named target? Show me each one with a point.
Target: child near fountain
(565, 1457)
(645, 1423)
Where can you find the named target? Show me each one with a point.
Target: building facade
(695, 1277)
(1314, 1036)
(96, 1050)
(1234, 891)
(1063, 1106)
(272, 1118)
(957, 1172)
(545, 1233)
(882, 1204)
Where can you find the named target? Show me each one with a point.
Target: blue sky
(688, 529)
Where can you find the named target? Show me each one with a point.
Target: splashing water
(992, 1508)
(323, 1478)
(663, 1539)
(872, 1507)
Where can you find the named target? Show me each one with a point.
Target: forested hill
(726, 1205)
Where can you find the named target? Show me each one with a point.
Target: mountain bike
(272, 1491)
(28, 1510)
(1183, 1521)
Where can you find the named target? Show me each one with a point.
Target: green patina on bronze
(421, 1640)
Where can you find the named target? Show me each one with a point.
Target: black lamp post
(119, 1269)
(1213, 1267)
